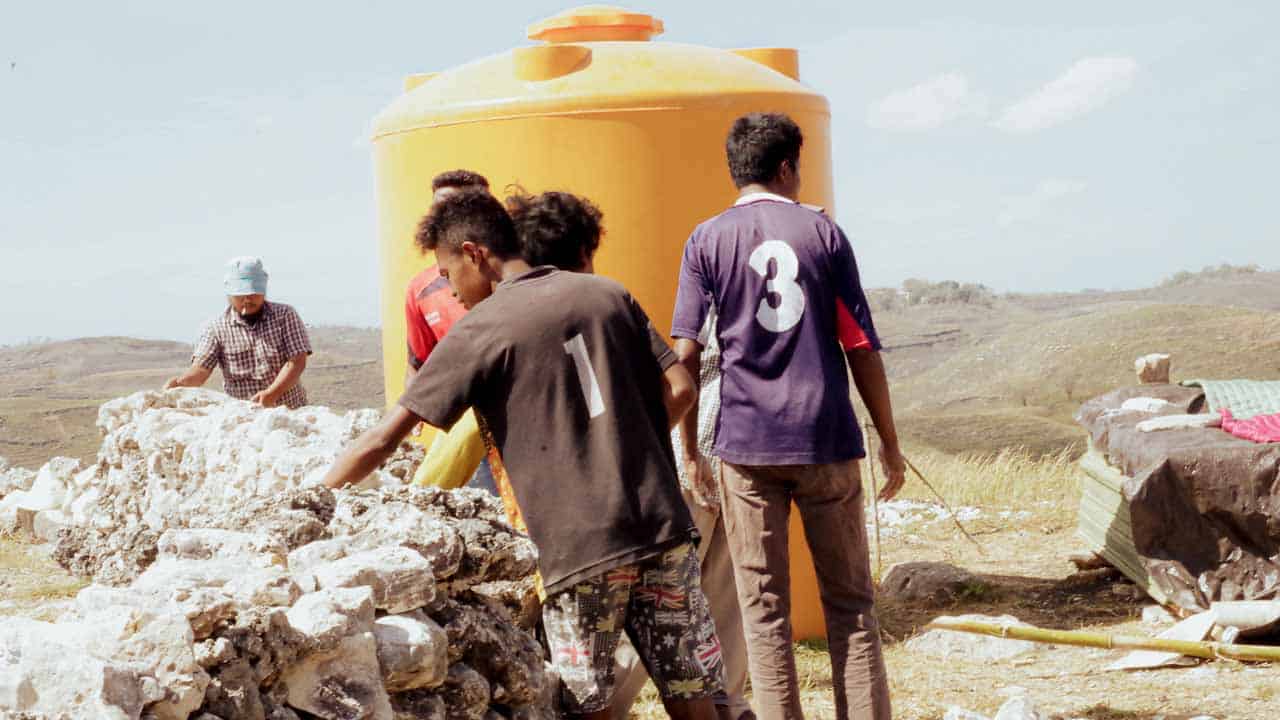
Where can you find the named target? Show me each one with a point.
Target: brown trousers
(757, 502)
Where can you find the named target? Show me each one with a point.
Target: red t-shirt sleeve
(850, 333)
(420, 338)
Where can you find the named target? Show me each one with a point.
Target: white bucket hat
(245, 276)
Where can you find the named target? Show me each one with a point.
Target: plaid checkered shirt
(251, 355)
(708, 403)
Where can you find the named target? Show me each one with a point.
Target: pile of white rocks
(230, 585)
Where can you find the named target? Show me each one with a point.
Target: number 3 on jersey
(783, 284)
(577, 349)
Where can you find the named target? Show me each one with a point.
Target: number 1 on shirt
(577, 349)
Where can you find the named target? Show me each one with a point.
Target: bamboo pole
(1084, 638)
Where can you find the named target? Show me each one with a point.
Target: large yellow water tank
(598, 109)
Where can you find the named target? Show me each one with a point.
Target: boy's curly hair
(555, 228)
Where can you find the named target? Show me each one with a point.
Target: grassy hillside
(1023, 387)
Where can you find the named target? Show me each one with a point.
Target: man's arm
(678, 393)
(371, 449)
(696, 467)
(868, 376)
(689, 354)
(204, 358)
(195, 376)
(288, 376)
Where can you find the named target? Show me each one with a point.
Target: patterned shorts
(659, 603)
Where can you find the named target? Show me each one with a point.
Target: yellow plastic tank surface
(597, 108)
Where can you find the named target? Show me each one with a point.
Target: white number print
(790, 305)
(577, 349)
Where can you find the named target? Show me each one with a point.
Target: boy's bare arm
(371, 449)
(869, 377)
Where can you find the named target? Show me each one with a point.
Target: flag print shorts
(659, 603)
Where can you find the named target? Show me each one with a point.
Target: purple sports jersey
(775, 270)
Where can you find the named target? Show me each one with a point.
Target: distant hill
(1010, 370)
(967, 376)
(1023, 387)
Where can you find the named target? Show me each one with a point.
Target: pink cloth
(1259, 428)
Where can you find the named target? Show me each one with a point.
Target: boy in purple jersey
(779, 276)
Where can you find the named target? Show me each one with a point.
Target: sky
(1026, 146)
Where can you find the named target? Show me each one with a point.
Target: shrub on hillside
(946, 292)
(1210, 272)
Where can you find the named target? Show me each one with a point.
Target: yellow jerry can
(598, 109)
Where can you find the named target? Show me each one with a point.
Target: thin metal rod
(875, 499)
(955, 519)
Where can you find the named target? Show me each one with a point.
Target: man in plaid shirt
(261, 346)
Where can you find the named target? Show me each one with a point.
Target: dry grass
(1023, 572)
(1010, 478)
(30, 583)
(990, 431)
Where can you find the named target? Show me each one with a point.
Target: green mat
(1244, 398)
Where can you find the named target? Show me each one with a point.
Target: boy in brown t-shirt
(560, 367)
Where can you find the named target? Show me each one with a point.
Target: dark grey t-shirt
(561, 367)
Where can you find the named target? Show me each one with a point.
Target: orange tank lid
(596, 23)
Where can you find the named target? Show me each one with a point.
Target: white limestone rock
(342, 684)
(202, 607)
(948, 644)
(44, 670)
(401, 579)
(213, 544)
(214, 651)
(179, 458)
(46, 524)
(328, 616)
(413, 652)
(14, 479)
(399, 523)
(959, 713)
(1152, 369)
(117, 662)
(158, 647)
(263, 586)
(1019, 708)
(46, 492)
(304, 560)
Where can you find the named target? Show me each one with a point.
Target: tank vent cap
(595, 23)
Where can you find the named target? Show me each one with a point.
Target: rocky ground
(227, 584)
(406, 603)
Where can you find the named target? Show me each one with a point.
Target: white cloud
(927, 106)
(1030, 207)
(1085, 86)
